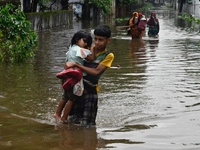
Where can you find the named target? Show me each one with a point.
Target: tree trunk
(64, 4)
(26, 6)
(143, 1)
(34, 5)
(96, 13)
(86, 10)
(181, 6)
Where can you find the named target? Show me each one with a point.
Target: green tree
(102, 4)
(17, 41)
(124, 2)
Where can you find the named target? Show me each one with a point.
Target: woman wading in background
(153, 25)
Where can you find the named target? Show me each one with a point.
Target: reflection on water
(73, 137)
(150, 102)
(138, 51)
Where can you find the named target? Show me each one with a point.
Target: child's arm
(92, 56)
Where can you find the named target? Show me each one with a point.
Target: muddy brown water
(152, 102)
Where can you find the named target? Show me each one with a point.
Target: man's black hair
(103, 30)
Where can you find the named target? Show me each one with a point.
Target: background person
(133, 25)
(153, 25)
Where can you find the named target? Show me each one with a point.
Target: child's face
(82, 43)
(100, 42)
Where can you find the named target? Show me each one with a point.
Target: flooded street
(152, 102)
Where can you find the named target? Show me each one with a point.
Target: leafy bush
(103, 4)
(146, 7)
(18, 42)
(191, 19)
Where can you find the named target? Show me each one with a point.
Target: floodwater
(152, 102)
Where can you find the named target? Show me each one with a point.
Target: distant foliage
(126, 2)
(105, 5)
(190, 19)
(18, 42)
(145, 7)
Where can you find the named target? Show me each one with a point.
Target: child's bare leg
(58, 112)
(67, 110)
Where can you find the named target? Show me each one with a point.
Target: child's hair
(103, 30)
(82, 34)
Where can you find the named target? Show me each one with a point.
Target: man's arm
(92, 71)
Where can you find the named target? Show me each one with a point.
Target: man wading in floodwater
(85, 110)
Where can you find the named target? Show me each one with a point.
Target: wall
(193, 8)
(46, 20)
